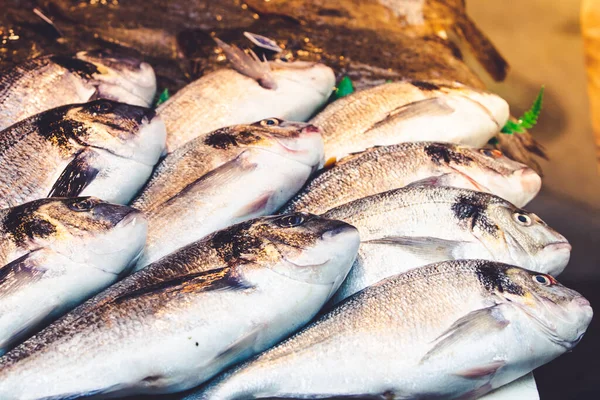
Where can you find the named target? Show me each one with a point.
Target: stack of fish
(223, 244)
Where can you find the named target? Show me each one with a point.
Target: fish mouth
(548, 330)
(559, 246)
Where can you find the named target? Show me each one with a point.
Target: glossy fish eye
(103, 107)
(290, 221)
(493, 153)
(545, 280)
(522, 219)
(270, 122)
(84, 204)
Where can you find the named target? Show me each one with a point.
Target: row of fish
(219, 282)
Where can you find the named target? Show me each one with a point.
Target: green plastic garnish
(164, 96)
(529, 119)
(344, 88)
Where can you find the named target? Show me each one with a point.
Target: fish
(101, 148)
(456, 329)
(408, 111)
(190, 315)
(384, 168)
(201, 155)
(56, 253)
(290, 91)
(414, 226)
(259, 169)
(51, 81)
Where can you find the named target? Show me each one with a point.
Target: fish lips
(555, 256)
(328, 262)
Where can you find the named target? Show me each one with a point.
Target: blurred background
(542, 41)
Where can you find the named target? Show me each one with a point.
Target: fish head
(298, 141)
(493, 104)
(493, 172)
(120, 77)
(303, 247)
(305, 84)
(86, 230)
(562, 314)
(531, 242)
(124, 130)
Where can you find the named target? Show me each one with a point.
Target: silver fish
(56, 253)
(415, 226)
(52, 81)
(227, 97)
(451, 330)
(187, 317)
(201, 155)
(188, 198)
(410, 111)
(383, 168)
(101, 148)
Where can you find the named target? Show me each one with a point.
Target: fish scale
(385, 168)
(226, 97)
(192, 314)
(414, 226)
(446, 330)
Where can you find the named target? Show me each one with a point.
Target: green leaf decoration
(344, 88)
(164, 96)
(529, 119)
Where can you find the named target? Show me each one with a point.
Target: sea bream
(52, 81)
(201, 155)
(415, 226)
(409, 111)
(187, 317)
(451, 330)
(57, 253)
(250, 91)
(101, 148)
(384, 168)
(268, 163)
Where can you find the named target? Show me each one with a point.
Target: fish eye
(270, 122)
(85, 204)
(103, 107)
(545, 280)
(290, 221)
(522, 219)
(492, 153)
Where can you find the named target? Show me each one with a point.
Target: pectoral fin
(255, 207)
(432, 107)
(76, 176)
(464, 329)
(21, 272)
(216, 279)
(430, 249)
(245, 344)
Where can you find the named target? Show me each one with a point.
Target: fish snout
(554, 257)
(530, 182)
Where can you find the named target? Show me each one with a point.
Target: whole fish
(52, 81)
(56, 253)
(409, 111)
(187, 317)
(101, 148)
(446, 331)
(201, 155)
(415, 226)
(258, 180)
(294, 91)
(384, 168)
